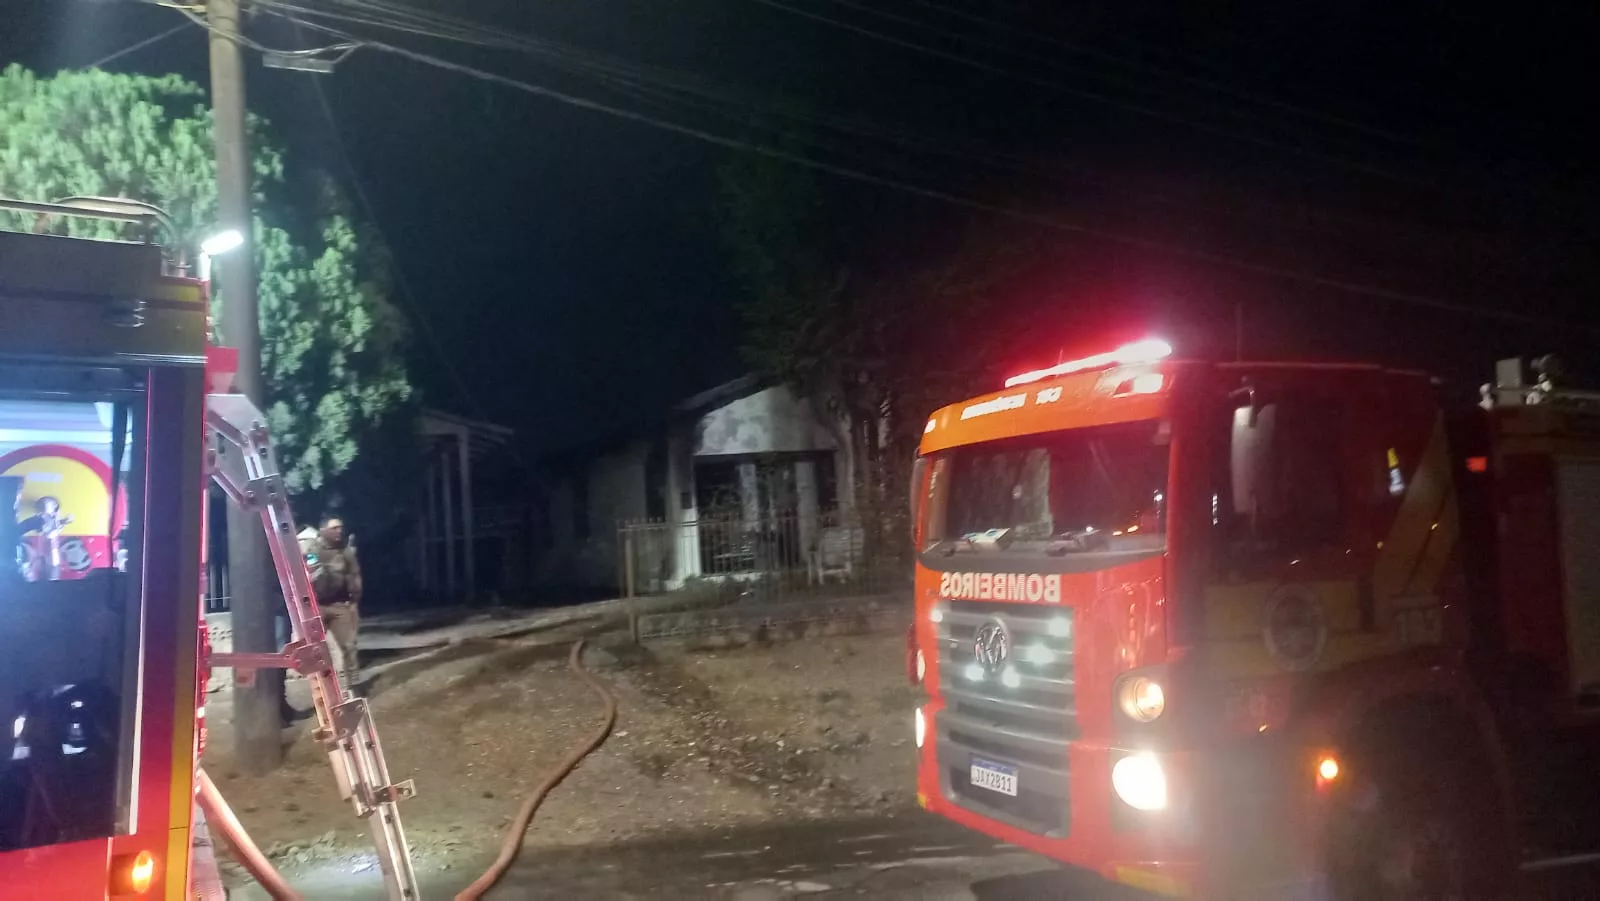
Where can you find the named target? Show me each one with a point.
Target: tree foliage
(877, 315)
(332, 344)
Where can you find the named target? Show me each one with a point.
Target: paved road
(910, 856)
(899, 858)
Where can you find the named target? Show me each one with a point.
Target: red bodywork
(1119, 624)
(169, 634)
(1245, 721)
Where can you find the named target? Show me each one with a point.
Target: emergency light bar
(1147, 351)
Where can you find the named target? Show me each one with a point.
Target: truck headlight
(1141, 699)
(1140, 782)
(919, 726)
(922, 667)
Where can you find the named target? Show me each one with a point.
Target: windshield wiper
(1074, 541)
(1080, 541)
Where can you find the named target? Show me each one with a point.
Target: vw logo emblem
(991, 646)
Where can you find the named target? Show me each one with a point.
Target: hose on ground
(518, 830)
(220, 816)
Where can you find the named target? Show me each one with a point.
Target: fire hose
(260, 868)
(220, 815)
(518, 830)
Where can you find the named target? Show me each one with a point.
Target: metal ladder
(241, 461)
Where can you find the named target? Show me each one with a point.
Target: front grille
(1026, 724)
(1043, 812)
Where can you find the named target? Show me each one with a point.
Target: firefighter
(283, 630)
(336, 580)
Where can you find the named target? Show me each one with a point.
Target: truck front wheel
(1418, 818)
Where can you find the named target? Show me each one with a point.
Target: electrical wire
(238, 37)
(1013, 52)
(1318, 222)
(434, 25)
(1092, 96)
(419, 315)
(1048, 222)
(672, 86)
(134, 48)
(630, 79)
(1137, 65)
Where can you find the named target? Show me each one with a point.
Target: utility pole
(256, 695)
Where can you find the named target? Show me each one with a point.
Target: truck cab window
(1279, 488)
(68, 615)
(1076, 500)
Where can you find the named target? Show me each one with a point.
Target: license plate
(996, 777)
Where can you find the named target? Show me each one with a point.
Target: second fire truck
(1266, 630)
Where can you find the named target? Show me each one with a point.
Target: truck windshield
(69, 613)
(1075, 496)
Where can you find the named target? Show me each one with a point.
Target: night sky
(568, 262)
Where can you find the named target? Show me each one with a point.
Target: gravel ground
(704, 740)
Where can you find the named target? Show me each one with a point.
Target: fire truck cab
(102, 386)
(1261, 629)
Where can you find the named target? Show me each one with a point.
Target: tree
(877, 314)
(332, 344)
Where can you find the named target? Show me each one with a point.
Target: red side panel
(1530, 562)
(59, 871)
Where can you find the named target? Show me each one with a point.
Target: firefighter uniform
(336, 580)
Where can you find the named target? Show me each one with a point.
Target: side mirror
(1247, 396)
(918, 493)
(1252, 462)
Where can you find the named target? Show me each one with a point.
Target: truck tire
(1419, 817)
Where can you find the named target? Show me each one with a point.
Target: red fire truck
(108, 437)
(101, 384)
(1266, 630)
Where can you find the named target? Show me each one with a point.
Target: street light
(221, 242)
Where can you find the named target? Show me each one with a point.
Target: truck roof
(1105, 396)
(93, 300)
(1078, 400)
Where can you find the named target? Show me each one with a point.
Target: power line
(1142, 86)
(630, 79)
(401, 282)
(1090, 96)
(1174, 250)
(448, 28)
(398, 16)
(237, 37)
(400, 279)
(133, 48)
(1137, 65)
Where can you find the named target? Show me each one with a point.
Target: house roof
(690, 408)
(724, 394)
(482, 437)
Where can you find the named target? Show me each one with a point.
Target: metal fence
(215, 584)
(776, 557)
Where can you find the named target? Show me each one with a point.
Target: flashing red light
(1147, 351)
(1477, 464)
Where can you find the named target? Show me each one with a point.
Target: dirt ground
(704, 739)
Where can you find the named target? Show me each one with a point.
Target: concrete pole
(445, 483)
(430, 534)
(256, 724)
(469, 536)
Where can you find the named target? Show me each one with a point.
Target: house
(462, 545)
(745, 465)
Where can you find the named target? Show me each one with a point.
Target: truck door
(1578, 509)
(1295, 482)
